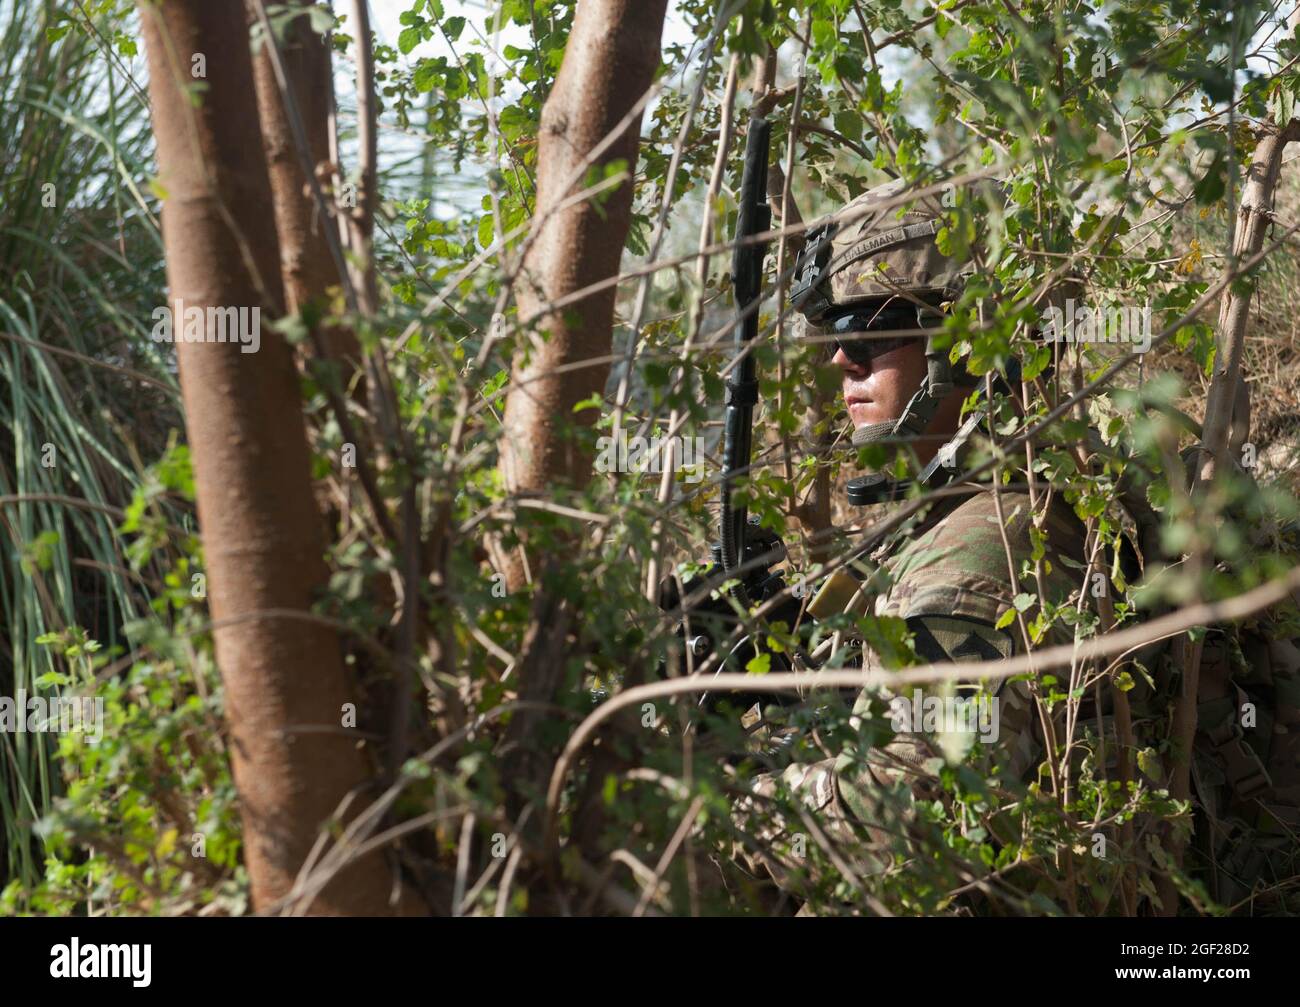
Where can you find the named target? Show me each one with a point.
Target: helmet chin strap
(872, 432)
(917, 414)
(920, 410)
(878, 488)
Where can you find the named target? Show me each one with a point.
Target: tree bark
(1226, 427)
(283, 676)
(609, 62)
(306, 264)
(1227, 407)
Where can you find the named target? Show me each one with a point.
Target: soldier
(875, 291)
(969, 575)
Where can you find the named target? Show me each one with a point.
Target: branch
(1173, 624)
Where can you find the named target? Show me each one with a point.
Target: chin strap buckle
(943, 468)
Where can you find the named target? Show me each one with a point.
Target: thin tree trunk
(1226, 427)
(609, 62)
(1227, 405)
(306, 264)
(284, 680)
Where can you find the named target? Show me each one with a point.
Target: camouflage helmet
(876, 252)
(874, 256)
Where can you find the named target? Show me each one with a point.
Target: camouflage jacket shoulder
(958, 562)
(951, 576)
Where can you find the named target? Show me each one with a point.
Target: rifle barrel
(754, 217)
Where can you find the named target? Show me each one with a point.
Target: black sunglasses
(851, 331)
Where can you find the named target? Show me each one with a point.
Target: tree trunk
(609, 63)
(1226, 426)
(263, 543)
(306, 264)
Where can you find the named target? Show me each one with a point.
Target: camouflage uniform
(948, 577)
(947, 574)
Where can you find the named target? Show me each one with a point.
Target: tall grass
(85, 401)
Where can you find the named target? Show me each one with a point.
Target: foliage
(1118, 135)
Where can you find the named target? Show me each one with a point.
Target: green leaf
(1211, 187)
(849, 123)
(408, 39)
(656, 375)
(321, 19)
(486, 232)
(1282, 105)
(1149, 762)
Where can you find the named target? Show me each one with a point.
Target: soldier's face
(878, 391)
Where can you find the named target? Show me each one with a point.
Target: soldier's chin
(868, 433)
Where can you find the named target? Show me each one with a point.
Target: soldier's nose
(842, 361)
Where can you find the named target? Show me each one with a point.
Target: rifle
(753, 218)
(745, 553)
